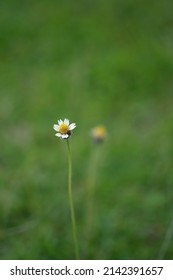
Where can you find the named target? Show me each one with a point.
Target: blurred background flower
(98, 133)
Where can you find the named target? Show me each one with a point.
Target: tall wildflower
(63, 130)
(98, 135)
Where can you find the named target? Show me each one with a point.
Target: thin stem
(71, 202)
(166, 242)
(90, 193)
(92, 176)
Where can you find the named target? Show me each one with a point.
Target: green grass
(94, 62)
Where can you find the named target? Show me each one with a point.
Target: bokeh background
(94, 62)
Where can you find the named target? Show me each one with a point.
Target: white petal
(56, 127)
(60, 122)
(58, 134)
(64, 136)
(72, 126)
(66, 121)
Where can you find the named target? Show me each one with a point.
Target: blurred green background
(94, 62)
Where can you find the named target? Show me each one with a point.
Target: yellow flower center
(99, 132)
(63, 128)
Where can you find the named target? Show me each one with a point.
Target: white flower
(64, 128)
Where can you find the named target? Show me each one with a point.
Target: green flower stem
(71, 202)
(92, 172)
(90, 193)
(166, 242)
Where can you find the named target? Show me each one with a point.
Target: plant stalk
(73, 220)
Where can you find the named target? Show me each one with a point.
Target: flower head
(64, 128)
(98, 133)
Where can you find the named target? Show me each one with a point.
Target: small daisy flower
(64, 128)
(98, 133)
